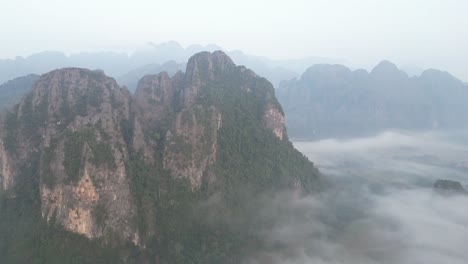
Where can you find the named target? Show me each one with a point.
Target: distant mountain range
(333, 101)
(148, 60)
(328, 100)
(12, 91)
(131, 78)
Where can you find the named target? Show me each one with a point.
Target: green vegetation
(102, 154)
(176, 222)
(81, 105)
(126, 128)
(27, 238)
(92, 98)
(248, 152)
(145, 189)
(152, 101)
(178, 225)
(11, 126)
(170, 207)
(100, 214)
(32, 118)
(49, 154)
(95, 97)
(73, 148)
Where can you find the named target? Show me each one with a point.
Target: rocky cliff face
(182, 110)
(69, 121)
(112, 165)
(6, 179)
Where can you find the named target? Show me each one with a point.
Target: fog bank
(381, 208)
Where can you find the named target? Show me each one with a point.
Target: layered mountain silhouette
(131, 78)
(333, 101)
(150, 59)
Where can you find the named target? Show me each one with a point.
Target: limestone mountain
(67, 123)
(172, 174)
(333, 101)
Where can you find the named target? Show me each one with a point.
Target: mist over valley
(236, 132)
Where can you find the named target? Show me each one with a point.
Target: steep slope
(12, 91)
(175, 173)
(68, 123)
(214, 134)
(333, 101)
(213, 105)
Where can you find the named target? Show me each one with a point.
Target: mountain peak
(214, 59)
(433, 75)
(388, 69)
(320, 72)
(385, 65)
(207, 65)
(76, 70)
(166, 45)
(327, 69)
(73, 78)
(113, 166)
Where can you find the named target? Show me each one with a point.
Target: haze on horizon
(140, 159)
(424, 33)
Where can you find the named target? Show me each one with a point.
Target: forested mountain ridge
(333, 101)
(156, 176)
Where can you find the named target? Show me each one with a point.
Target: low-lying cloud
(381, 208)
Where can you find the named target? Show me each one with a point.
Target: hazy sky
(428, 33)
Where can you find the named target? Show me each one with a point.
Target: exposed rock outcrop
(185, 111)
(6, 181)
(115, 167)
(70, 120)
